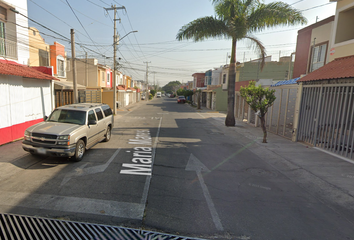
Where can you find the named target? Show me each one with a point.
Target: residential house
(140, 84)
(342, 37)
(198, 84)
(13, 31)
(120, 79)
(207, 80)
(104, 74)
(128, 82)
(58, 60)
(324, 109)
(312, 48)
(25, 93)
(198, 80)
(276, 70)
(25, 96)
(312, 52)
(39, 50)
(190, 85)
(225, 77)
(216, 76)
(213, 81)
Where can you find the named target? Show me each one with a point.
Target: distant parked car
(181, 99)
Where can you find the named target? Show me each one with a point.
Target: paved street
(175, 169)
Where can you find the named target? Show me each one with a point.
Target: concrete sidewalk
(329, 177)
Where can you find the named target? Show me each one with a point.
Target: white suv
(70, 130)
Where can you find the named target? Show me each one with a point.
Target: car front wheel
(108, 134)
(79, 151)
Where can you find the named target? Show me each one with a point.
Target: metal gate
(90, 96)
(280, 117)
(326, 118)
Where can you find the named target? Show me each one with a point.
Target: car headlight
(64, 140)
(27, 135)
(64, 137)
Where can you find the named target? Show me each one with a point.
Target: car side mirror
(92, 122)
(45, 118)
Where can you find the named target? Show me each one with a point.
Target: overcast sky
(157, 23)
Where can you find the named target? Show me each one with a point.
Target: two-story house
(325, 55)
(313, 47)
(13, 31)
(25, 93)
(198, 84)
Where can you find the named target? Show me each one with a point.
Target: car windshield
(68, 116)
(181, 97)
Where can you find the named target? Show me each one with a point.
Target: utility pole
(147, 80)
(86, 70)
(74, 64)
(115, 42)
(154, 81)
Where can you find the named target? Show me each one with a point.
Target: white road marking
(194, 164)
(148, 178)
(9, 200)
(82, 171)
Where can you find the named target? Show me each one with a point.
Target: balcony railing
(8, 48)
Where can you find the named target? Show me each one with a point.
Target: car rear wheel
(79, 151)
(108, 134)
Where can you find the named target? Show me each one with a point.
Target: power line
(316, 7)
(81, 24)
(40, 24)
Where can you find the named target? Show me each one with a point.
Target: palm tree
(237, 20)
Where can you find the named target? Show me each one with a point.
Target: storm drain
(24, 227)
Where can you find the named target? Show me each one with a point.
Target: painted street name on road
(142, 156)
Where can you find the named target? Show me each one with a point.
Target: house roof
(13, 68)
(338, 69)
(67, 85)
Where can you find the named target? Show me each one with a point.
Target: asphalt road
(170, 168)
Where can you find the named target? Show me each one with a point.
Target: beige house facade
(343, 35)
(39, 50)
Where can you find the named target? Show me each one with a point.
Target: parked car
(70, 130)
(181, 99)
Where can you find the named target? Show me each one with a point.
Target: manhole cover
(261, 172)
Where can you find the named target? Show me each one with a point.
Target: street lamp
(124, 36)
(115, 43)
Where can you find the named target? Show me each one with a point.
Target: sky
(154, 45)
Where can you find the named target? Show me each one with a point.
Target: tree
(171, 87)
(237, 20)
(153, 92)
(180, 92)
(259, 99)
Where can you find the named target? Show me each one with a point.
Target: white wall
(20, 31)
(23, 100)
(216, 77)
